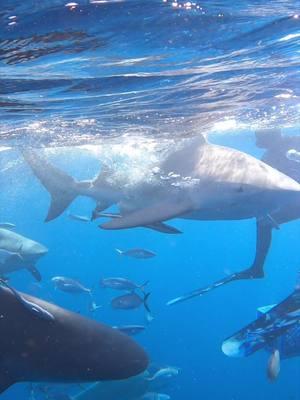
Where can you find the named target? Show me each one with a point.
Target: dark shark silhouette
(43, 342)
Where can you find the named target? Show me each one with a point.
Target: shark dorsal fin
(104, 174)
(184, 159)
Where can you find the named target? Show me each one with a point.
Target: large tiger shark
(199, 181)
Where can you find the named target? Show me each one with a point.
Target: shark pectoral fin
(6, 381)
(163, 228)
(150, 215)
(35, 273)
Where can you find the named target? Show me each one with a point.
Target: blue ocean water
(119, 82)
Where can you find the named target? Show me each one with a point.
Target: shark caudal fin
(146, 304)
(62, 188)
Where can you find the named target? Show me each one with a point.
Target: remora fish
(121, 284)
(130, 301)
(130, 330)
(136, 253)
(68, 348)
(167, 372)
(81, 218)
(21, 252)
(69, 285)
(204, 182)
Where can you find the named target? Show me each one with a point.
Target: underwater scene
(150, 200)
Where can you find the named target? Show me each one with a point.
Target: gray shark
(17, 252)
(43, 342)
(199, 181)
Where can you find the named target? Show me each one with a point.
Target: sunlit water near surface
(149, 67)
(119, 83)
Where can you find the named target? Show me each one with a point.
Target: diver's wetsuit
(275, 156)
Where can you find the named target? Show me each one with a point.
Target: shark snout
(40, 250)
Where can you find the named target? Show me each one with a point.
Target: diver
(277, 152)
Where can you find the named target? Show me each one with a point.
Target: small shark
(18, 252)
(198, 181)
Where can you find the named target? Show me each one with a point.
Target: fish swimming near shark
(18, 252)
(198, 181)
(130, 330)
(121, 284)
(64, 348)
(273, 367)
(81, 218)
(69, 285)
(166, 371)
(131, 301)
(136, 253)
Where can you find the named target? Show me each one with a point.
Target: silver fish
(130, 301)
(121, 284)
(81, 218)
(167, 372)
(136, 253)
(130, 330)
(273, 366)
(69, 285)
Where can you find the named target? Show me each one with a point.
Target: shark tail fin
(146, 305)
(119, 251)
(143, 285)
(63, 188)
